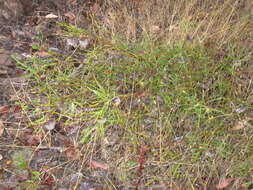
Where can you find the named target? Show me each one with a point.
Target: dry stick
(143, 151)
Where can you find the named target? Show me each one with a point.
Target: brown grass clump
(204, 21)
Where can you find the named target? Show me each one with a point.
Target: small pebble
(53, 49)
(116, 101)
(84, 43)
(240, 110)
(210, 154)
(50, 125)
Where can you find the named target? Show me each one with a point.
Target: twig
(143, 151)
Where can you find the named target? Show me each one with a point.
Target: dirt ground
(21, 25)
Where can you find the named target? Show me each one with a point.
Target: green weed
(180, 100)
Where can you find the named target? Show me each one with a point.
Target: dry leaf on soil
(223, 184)
(33, 139)
(1, 127)
(73, 153)
(240, 124)
(27, 136)
(96, 164)
(4, 109)
(70, 15)
(73, 2)
(155, 28)
(43, 54)
(95, 7)
(51, 15)
(3, 72)
(46, 177)
(50, 125)
(17, 109)
(84, 43)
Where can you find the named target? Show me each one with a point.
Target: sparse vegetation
(175, 77)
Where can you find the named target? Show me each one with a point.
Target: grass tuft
(174, 81)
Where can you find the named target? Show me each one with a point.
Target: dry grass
(163, 85)
(216, 22)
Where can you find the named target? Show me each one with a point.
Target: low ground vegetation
(159, 97)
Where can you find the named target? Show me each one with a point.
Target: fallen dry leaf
(95, 7)
(155, 28)
(86, 186)
(17, 109)
(70, 15)
(223, 184)
(72, 43)
(51, 15)
(33, 139)
(43, 54)
(73, 2)
(84, 43)
(13, 34)
(46, 176)
(190, 38)
(96, 164)
(27, 136)
(4, 109)
(3, 72)
(48, 180)
(1, 127)
(73, 153)
(50, 125)
(240, 124)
